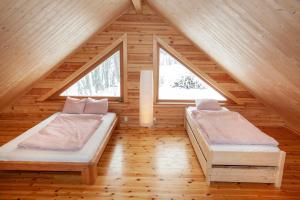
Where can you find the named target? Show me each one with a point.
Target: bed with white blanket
(78, 152)
(231, 149)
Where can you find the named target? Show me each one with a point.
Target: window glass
(104, 80)
(177, 82)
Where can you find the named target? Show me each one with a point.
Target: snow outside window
(176, 82)
(104, 80)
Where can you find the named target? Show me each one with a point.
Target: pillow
(74, 106)
(94, 106)
(207, 104)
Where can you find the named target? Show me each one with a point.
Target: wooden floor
(141, 164)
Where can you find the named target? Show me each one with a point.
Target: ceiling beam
(137, 6)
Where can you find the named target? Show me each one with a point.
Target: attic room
(149, 99)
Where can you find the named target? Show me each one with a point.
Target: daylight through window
(104, 80)
(176, 82)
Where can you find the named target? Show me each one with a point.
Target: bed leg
(208, 173)
(89, 175)
(280, 167)
(209, 168)
(208, 180)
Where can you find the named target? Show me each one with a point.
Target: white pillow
(207, 104)
(74, 106)
(94, 106)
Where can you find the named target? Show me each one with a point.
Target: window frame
(156, 84)
(121, 98)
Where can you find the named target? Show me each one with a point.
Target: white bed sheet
(11, 152)
(227, 147)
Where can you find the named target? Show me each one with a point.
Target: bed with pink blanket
(231, 149)
(66, 132)
(62, 142)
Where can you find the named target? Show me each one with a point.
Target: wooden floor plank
(152, 164)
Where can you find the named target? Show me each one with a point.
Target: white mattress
(228, 147)
(11, 152)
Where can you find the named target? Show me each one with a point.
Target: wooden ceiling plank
(137, 6)
(257, 43)
(36, 37)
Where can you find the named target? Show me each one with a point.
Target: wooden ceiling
(258, 42)
(36, 35)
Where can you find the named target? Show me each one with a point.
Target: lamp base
(146, 125)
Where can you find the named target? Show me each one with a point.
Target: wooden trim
(56, 95)
(88, 169)
(158, 42)
(124, 68)
(110, 99)
(166, 101)
(179, 104)
(155, 69)
(86, 67)
(280, 169)
(137, 4)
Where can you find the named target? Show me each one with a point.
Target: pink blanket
(67, 132)
(227, 127)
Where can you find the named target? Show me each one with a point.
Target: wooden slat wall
(35, 35)
(140, 29)
(256, 41)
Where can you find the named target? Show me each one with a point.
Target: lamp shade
(146, 98)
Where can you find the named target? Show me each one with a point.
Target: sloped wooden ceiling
(36, 34)
(140, 30)
(257, 41)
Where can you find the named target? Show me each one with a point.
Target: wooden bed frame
(257, 167)
(88, 169)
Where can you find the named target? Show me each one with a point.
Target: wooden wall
(257, 41)
(140, 29)
(35, 35)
